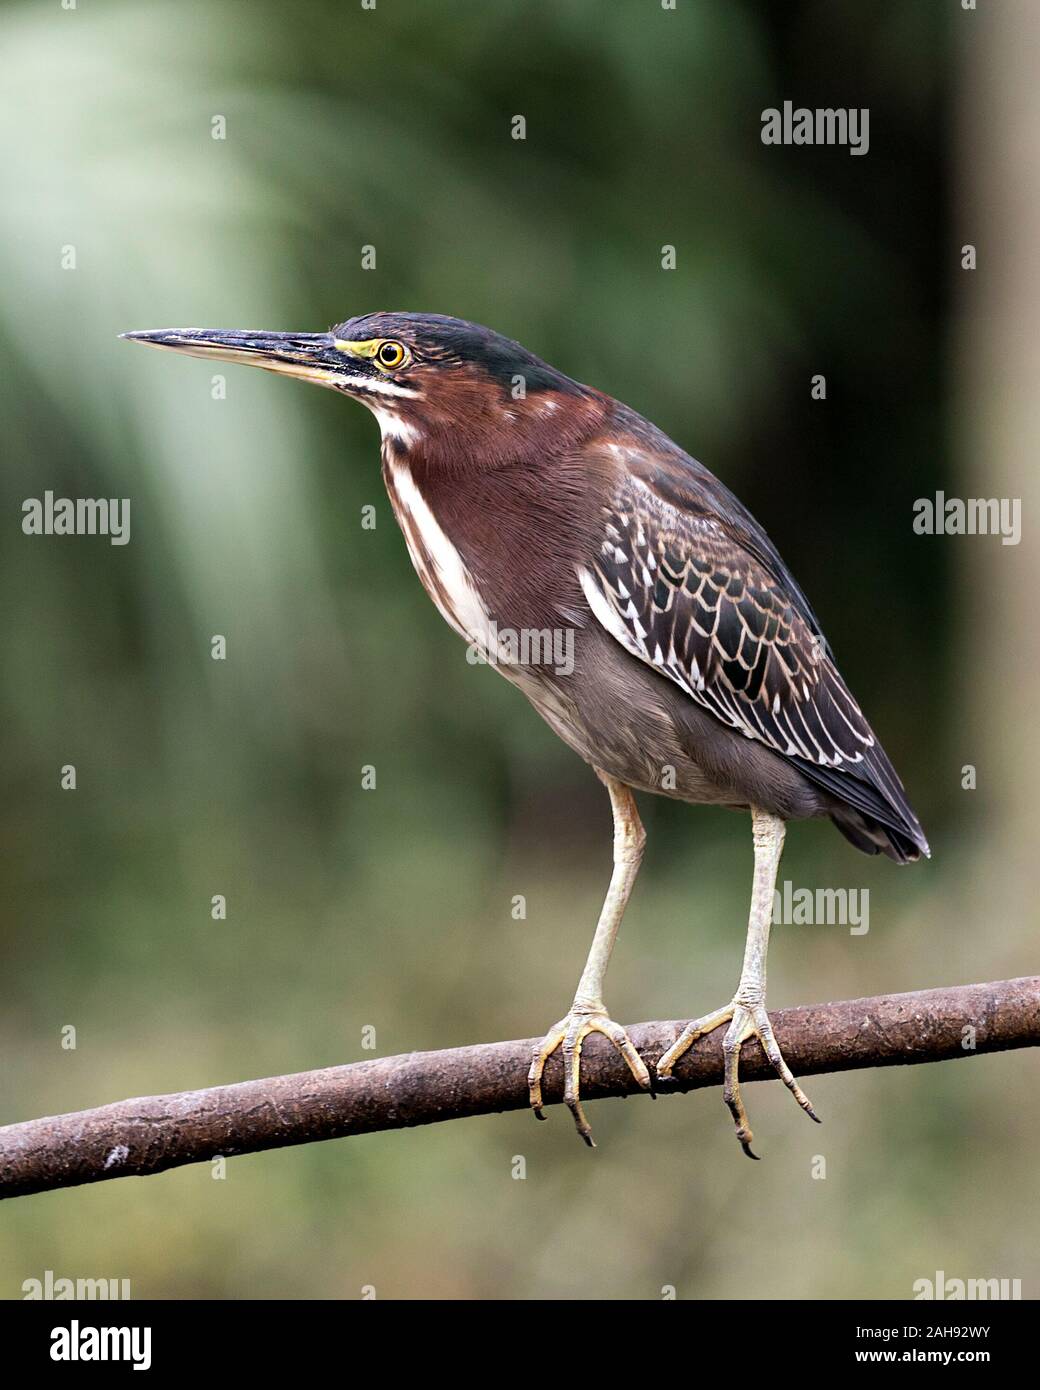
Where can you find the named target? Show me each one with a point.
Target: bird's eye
(390, 354)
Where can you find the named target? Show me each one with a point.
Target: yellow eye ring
(390, 354)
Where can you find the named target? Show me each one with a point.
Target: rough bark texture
(153, 1133)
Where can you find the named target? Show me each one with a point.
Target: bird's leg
(746, 1015)
(588, 1013)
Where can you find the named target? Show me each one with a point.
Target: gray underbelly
(622, 743)
(621, 716)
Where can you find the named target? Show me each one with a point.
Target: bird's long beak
(311, 356)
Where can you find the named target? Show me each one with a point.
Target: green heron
(531, 504)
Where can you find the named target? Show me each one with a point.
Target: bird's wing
(683, 587)
(682, 594)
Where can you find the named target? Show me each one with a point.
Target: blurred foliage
(392, 907)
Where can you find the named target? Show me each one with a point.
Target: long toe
(689, 1035)
(570, 1034)
(746, 1020)
(576, 1035)
(764, 1032)
(738, 1030)
(542, 1052)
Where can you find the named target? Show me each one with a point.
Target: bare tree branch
(153, 1133)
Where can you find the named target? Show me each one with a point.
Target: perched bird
(531, 504)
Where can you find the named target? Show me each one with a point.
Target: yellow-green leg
(746, 1015)
(588, 1013)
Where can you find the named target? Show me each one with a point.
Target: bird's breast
(436, 559)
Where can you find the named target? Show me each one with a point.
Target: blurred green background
(391, 908)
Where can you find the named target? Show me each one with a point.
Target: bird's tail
(872, 837)
(873, 809)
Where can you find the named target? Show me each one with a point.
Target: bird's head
(426, 377)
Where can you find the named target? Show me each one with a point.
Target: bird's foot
(746, 1019)
(569, 1034)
